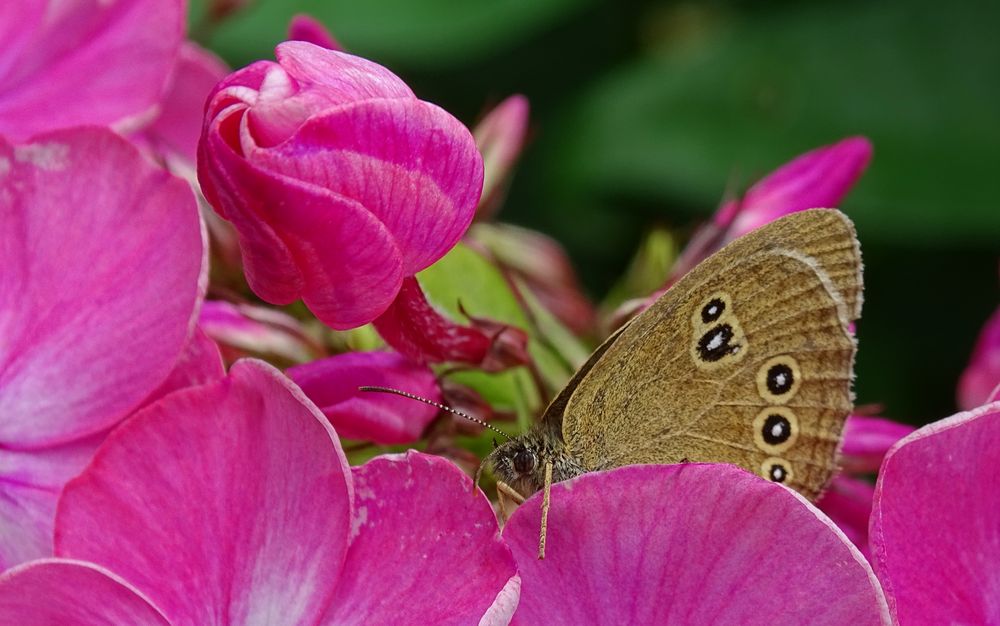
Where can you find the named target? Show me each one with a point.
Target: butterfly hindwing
(746, 360)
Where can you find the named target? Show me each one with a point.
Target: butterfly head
(520, 462)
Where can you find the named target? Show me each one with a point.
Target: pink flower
(247, 329)
(339, 180)
(817, 179)
(80, 62)
(848, 498)
(866, 441)
(500, 137)
(687, 544)
(102, 270)
(934, 530)
(332, 384)
(415, 328)
(307, 28)
(175, 130)
(233, 503)
(981, 379)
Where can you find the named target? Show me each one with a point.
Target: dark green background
(648, 112)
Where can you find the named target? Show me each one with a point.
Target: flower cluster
(171, 459)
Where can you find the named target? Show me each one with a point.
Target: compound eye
(524, 461)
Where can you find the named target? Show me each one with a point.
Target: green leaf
(429, 33)
(464, 277)
(755, 90)
(647, 272)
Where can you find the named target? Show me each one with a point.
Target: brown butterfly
(748, 359)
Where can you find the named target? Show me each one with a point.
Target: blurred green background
(647, 113)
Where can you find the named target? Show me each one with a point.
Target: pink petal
(30, 484)
(934, 529)
(229, 502)
(687, 544)
(867, 439)
(424, 549)
(199, 364)
(339, 181)
(332, 384)
(103, 266)
(178, 125)
(415, 328)
(982, 375)
(344, 78)
(817, 179)
(256, 329)
(300, 240)
(848, 502)
(309, 29)
(85, 62)
(61, 591)
(410, 163)
(500, 138)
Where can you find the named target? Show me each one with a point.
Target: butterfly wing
(747, 360)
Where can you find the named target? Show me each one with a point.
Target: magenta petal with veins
(175, 130)
(687, 544)
(449, 564)
(332, 383)
(338, 179)
(819, 178)
(62, 591)
(86, 340)
(935, 529)
(233, 502)
(77, 62)
(102, 269)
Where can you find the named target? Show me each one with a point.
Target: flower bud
(418, 330)
(981, 379)
(339, 181)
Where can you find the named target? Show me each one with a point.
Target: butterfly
(748, 359)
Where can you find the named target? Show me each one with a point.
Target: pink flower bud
(415, 328)
(867, 439)
(338, 179)
(981, 378)
(307, 28)
(815, 180)
(332, 384)
(246, 329)
(500, 137)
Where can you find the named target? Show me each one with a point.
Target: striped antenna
(435, 404)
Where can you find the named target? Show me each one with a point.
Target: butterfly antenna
(435, 404)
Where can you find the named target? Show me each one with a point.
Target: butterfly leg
(505, 491)
(502, 505)
(509, 492)
(546, 499)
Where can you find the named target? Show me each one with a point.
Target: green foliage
(464, 279)
(426, 33)
(919, 80)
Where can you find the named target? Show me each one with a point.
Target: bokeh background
(647, 114)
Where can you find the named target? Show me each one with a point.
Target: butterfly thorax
(521, 461)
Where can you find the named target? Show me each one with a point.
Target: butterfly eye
(524, 461)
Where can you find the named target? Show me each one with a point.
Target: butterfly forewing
(747, 360)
